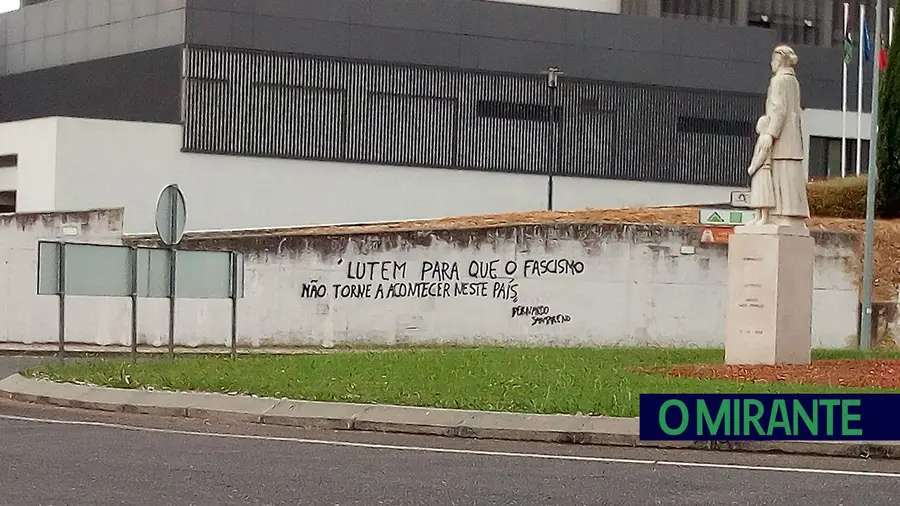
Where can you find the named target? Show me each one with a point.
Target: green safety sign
(726, 217)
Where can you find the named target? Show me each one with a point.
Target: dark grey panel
(819, 72)
(301, 36)
(511, 21)
(493, 36)
(633, 67)
(136, 87)
(523, 56)
(442, 16)
(241, 29)
(336, 10)
(285, 105)
(213, 27)
(411, 46)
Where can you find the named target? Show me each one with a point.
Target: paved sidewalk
(590, 430)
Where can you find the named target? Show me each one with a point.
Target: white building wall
(73, 164)
(828, 123)
(34, 178)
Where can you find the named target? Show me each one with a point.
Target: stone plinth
(768, 318)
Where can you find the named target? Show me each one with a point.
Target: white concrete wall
(624, 284)
(26, 317)
(828, 123)
(34, 178)
(633, 286)
(76, 164)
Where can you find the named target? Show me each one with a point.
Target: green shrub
(838, 198)
(888, 142)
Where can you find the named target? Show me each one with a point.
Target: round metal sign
(171, 215)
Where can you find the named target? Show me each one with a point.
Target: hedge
(838, 198)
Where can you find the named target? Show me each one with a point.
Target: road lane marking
(483, 453)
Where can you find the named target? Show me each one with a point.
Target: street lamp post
(553, 74)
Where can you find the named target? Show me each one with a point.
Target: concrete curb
(588, 430)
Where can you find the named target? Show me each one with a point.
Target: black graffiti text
(536, 268)
(353, 291)
(313, 290)
(440, 271)
(478, 289)
(387, 270)
(540, 315)
(550, 320)
(530, 311)
(483, 270)
(506, 291)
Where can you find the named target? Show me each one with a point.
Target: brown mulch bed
(838, 373)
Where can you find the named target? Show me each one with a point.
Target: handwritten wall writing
(504, 290)
(440, 279)
(540, 315)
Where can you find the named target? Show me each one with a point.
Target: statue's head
(783, 57)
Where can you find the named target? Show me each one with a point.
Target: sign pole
(170, 220)
(234, 303)
(173, 232)
(134, 303)
(61, 272)
(865, 327)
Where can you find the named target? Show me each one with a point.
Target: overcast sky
(8, 5)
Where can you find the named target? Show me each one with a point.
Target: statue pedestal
(768, 318)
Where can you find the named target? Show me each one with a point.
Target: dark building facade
(666, 91)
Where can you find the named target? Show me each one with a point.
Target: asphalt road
(69, 457)
(72, 457)
(12, 365)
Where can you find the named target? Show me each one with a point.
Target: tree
(888, 142)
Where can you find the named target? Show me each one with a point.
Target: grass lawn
(535, 380)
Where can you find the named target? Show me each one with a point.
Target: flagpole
(844, 65)
(890, 26)
(865, 327)
(859, 89)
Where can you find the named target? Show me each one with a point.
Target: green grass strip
(533, 380)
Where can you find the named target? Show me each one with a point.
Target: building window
(687, 124)
(8, 161)
(825, 157)
(516, 111)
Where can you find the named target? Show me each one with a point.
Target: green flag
(848, 48)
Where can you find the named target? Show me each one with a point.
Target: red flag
(882, 58)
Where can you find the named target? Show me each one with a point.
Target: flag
(882, 57)
(848, 48)
(867, 41)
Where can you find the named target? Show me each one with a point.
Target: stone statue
(762, 186)
(780, 146)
